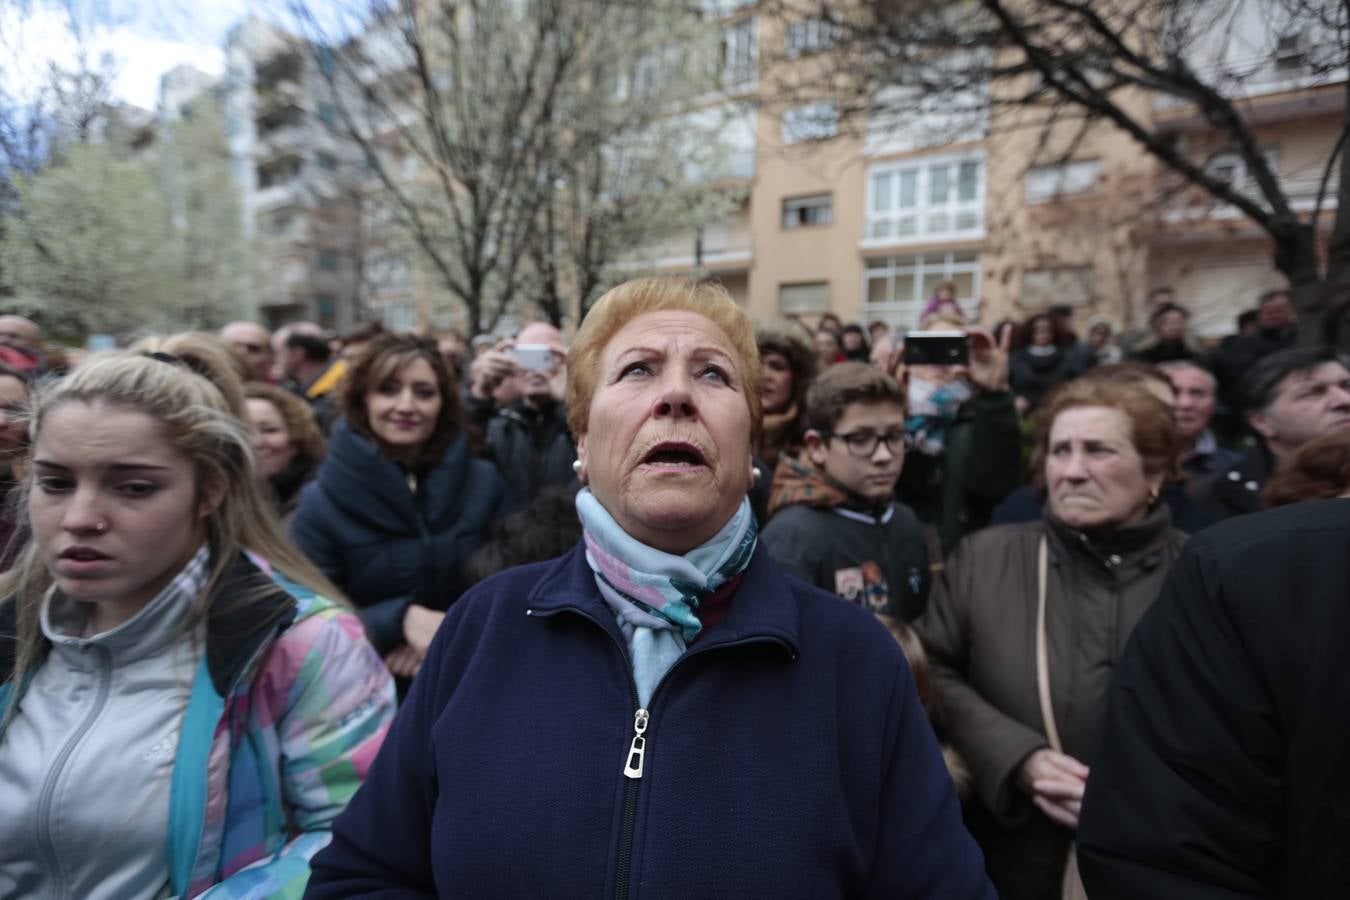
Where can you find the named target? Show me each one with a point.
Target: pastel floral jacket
(284, 719)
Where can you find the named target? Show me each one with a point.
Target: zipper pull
(638, 749)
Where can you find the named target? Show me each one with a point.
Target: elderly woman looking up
(661, 712)
(1028, 622)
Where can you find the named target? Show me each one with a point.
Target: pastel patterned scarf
(656, 595)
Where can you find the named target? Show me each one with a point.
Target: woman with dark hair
(287, 443)
(399, 502)
(789, 365)
(1042, 362)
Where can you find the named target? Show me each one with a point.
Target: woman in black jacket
(400, 502)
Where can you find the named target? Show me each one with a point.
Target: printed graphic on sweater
(864, 585)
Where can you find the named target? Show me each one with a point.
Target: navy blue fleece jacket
(786, 755)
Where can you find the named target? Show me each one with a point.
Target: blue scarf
(655, 595)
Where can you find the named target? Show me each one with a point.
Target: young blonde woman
(182, 711)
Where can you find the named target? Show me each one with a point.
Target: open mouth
(674, 454)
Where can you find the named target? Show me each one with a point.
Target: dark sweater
(787, 755)
(880, 563)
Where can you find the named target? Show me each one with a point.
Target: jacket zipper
(48, 795)
(635, 759)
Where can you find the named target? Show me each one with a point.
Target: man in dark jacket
(1222, 771)
(1291, 397)
(1233, 358)
(528, 438)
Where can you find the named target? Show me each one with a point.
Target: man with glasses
(834, 521)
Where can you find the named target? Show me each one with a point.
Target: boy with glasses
(834, 520)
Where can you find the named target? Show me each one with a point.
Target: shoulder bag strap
(1043, 648)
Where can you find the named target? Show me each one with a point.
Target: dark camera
(937, 348)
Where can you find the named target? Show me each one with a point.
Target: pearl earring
(576, 466)
(754, 473)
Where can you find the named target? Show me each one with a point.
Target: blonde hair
(182, 395)
(623, 304)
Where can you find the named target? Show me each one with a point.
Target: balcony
(273, 101)
(1201, 217)
(290, 142)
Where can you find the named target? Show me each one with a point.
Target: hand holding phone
(937, 348)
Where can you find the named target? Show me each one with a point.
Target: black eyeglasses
(864, 443)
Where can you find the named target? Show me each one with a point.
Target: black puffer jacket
(532, 448)
(384, 543)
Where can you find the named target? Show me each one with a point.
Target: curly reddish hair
(1318, 470)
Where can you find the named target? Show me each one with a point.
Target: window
(740, 53)
(327, 114)
(1047, 182)
(400, 316)
(325, 310)
(326, 161)
(896, 288)
(799, 212)
(810, 36)
(1289, 55)
(811, 297)
(1228, 168)
(923, 199)
(1071, 285)
(811, 122)
(328, 260)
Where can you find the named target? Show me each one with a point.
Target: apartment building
(867, 223)
(299, 176)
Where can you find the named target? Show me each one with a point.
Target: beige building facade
(867, 223)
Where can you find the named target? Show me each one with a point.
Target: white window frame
(740, 54)
(1079, 176)
(810, 35)
(810, 122)
(923, 209)
(792, 206)
(904, 312)
(804, 286)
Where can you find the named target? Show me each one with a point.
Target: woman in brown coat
(1104, 451)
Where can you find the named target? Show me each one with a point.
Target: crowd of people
(682, 604)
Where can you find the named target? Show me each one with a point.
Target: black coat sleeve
(1184, 798)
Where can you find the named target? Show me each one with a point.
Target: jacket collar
(371, 487)
(234, 634)
(762, 609)
(1113, 548)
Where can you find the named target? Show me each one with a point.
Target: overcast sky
(145, 38)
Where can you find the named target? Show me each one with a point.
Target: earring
(1152, 498)
(754, 473)
(576, 466)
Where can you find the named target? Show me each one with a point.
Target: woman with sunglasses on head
(400, 502)
(180, 709)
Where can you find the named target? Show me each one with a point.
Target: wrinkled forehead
(670, 333)
(1329, 372)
